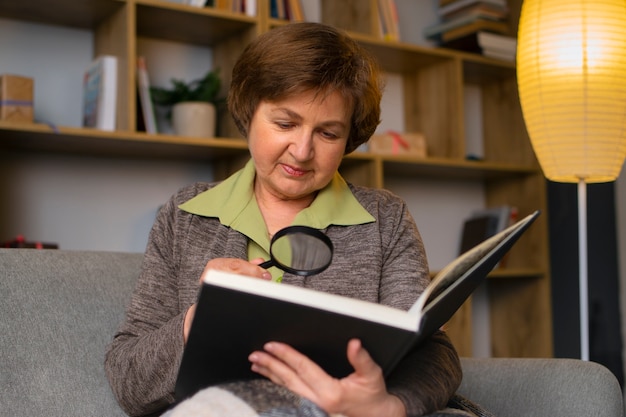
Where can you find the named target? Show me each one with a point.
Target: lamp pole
(583, 291)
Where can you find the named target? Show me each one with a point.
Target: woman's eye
(284, 125)
(328, 135)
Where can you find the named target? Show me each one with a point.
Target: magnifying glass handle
(267, 264)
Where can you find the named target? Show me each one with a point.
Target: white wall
(85, 202)
(55, 57)
(88, 202)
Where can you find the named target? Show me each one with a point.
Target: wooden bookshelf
(433, 80)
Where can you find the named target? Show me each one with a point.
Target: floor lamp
(571, 73)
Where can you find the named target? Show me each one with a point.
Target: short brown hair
(300, 57)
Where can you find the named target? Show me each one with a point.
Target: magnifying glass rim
(307, 230)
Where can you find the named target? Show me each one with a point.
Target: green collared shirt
(233, 202)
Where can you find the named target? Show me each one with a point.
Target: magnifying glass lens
(300, 250)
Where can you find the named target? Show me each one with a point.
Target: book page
(354, 307)
(455, 269)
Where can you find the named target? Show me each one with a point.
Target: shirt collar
(232, 202)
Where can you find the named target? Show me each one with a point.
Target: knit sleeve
(428, 377)
(143, 359)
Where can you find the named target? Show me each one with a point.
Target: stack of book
(493, 45)
(461, 22)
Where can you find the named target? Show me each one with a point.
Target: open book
(237, 315)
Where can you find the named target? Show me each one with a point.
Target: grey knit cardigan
(383, 261)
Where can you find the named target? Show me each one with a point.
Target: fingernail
(267, 276)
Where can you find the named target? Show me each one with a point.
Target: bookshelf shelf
(516, 273)
(187, 24)
(453, 169)
(79, 14)
(403, 57)
(43, 137)
(433, 83)
(82, 141)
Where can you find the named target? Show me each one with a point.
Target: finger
(261, 364)
(189, 315)
(361, 360)
(237, 266)
(300, 364)
(303, 376)
(257, 261)
(278, 372)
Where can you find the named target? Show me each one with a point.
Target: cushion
(59, 311)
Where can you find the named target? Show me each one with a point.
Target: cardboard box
(394, 143)
(16, 98)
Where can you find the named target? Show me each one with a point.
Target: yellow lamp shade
(571, 73)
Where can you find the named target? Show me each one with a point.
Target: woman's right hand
(234, 265)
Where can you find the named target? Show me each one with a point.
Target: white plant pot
(194, 118)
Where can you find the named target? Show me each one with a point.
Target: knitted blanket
(262, 398)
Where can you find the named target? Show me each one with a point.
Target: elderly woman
(304, 95)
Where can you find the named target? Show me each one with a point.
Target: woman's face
(297, 144)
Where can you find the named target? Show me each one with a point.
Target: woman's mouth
(294, 171)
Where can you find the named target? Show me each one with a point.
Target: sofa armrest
(516, 387)
(59, 311)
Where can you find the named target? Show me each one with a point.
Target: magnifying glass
(300, 250)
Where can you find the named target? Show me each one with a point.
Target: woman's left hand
(362, 393)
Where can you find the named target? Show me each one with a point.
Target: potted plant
(192, 105)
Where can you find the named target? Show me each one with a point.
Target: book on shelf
(291, 10)
(473, 27)
(462, 25)
(485, 223)
(497, 54)
(461, 20)
(456, 6)
(478, 9)
(229, 5)
(500, 54)
(238, 6)
(294, 10)
(100, 93)
(237, 315)
(277, 9)
(388, 20)
(490, 44)
(494, 41)
(145, 100)
(250, 7)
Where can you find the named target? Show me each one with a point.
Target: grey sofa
(60, 309)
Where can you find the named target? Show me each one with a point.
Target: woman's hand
(362, 393)
(237, 266)
(234, 265)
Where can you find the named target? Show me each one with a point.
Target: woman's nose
(302, 145)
